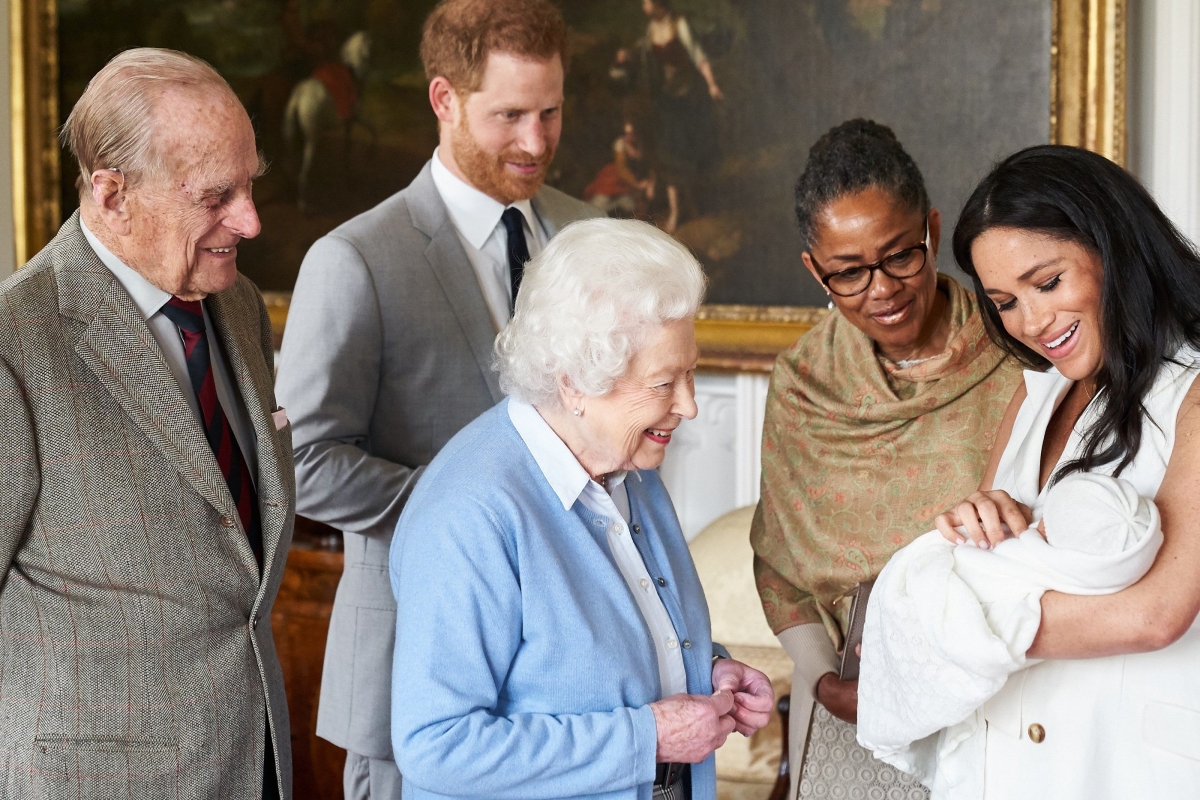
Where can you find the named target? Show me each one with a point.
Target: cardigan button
(687, 644)
(637, 528)
(662, 581)
(1037, 734)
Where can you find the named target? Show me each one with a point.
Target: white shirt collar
(563, 472)
(474, 213)
(146, 296)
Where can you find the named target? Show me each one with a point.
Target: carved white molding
(712, 464)
(1170, 128)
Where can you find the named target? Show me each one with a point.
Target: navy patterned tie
(518, 250)
(188, 316)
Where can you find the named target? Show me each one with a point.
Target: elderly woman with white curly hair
(552, 637)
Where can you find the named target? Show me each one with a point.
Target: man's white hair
(112, 126)
(588, 302)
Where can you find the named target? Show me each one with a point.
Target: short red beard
(487, 173)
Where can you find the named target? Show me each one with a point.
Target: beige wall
(7, 251)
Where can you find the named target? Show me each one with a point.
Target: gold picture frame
(1087, 109)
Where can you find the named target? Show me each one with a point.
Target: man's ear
(111, 200)
(444, 100)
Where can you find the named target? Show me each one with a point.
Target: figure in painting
(627, 185)
(326, 99)
(676, 80)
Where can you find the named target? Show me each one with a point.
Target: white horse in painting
(311, 110)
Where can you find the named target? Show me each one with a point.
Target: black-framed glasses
(899, 265)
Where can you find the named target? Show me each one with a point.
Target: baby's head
(1096, 514)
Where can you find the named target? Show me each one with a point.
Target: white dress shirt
(570, 482)
(149, 300)
(476, 219)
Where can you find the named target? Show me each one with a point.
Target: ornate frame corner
(1088, 73)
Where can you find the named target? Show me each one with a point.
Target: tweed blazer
(387, 355)
(136, 653)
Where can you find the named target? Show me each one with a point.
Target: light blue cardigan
(523, 668)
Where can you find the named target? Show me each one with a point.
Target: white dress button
(672, 643)
(645, 584)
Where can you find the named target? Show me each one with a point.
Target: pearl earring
(577, 412)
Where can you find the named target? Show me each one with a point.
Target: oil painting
(695, 115)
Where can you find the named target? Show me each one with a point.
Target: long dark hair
(1150, 295)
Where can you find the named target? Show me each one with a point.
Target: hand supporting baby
(988, 518)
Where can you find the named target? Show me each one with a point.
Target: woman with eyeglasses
(877, 420)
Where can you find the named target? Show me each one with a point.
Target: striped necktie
(188, 316)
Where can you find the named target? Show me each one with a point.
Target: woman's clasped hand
(691, 727)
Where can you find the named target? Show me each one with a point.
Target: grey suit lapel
(551, 212)
(240, 344)
(119, 349)
(453, 270)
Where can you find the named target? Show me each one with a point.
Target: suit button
(226, 522)
(254, 621)
(1037, 734)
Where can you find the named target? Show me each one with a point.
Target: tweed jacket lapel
(459, 283)
(119, 349)
(242, 343)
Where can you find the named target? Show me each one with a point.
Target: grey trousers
(368, 778)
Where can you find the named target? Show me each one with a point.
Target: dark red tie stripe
(188, 316)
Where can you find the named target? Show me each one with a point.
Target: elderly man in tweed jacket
(149, 491)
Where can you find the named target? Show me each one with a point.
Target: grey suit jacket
(387, 355)
(136, 654)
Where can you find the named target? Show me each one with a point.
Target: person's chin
(895, 337)
(216, 278)
(522, 185)
(1078, 366)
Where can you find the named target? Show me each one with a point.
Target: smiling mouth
(220, 250)
(1062, 340)
(893, 316)
(657, 435)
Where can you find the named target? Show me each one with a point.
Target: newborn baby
(1096, 514)
(947, 624)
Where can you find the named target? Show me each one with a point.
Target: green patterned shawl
(859, 456)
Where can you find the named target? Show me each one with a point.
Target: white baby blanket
(947, 624)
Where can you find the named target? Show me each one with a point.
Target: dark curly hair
(856, 155)
(1150, 289)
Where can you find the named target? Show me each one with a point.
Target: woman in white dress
(1085, 273)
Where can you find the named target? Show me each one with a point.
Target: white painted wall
(713, 464)
(1164, 105)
